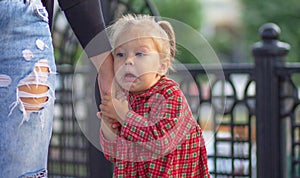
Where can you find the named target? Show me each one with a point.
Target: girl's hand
(114, 108)
(113, 123)
(109, 127)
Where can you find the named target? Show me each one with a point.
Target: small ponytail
(166, 26)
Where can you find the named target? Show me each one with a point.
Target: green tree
(286, 14)
(186, 11)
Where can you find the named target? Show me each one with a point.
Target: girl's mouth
(129, 77)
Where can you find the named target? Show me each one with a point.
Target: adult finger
(99, 115)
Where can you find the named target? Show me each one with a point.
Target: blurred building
(222, 26)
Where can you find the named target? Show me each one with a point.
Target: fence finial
(270, 44)
(269, 31)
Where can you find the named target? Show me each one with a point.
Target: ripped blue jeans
(27, 80)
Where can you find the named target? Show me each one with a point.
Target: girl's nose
(129, 60)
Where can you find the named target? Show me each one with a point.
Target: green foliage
(224, 44)
(186, 11)
(286, 14)
(137, 6)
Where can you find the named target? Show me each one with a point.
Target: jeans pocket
(41, 13)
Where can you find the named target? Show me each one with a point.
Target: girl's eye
(139, 54)
(120, 54)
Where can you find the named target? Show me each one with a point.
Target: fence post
(268, 54)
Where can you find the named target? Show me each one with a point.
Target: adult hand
(104, 65)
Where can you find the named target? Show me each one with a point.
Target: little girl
(155, 134)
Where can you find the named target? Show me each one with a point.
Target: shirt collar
(154, 89)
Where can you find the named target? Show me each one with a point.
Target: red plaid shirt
(160, 137)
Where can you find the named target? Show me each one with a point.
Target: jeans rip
(41, 13)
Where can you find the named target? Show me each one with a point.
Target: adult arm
(87, 22)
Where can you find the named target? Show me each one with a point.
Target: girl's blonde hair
(161, 32)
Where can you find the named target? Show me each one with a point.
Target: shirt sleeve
(164, 128)
(109, 148)
(86, 20)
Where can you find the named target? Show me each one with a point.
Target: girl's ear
(164, 67)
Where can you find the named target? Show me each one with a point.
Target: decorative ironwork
(290, 116)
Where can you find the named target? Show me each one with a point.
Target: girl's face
(137, 64)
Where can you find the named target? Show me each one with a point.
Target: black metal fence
(250, 115)
(224, 107)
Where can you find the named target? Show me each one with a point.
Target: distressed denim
(26, 60)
